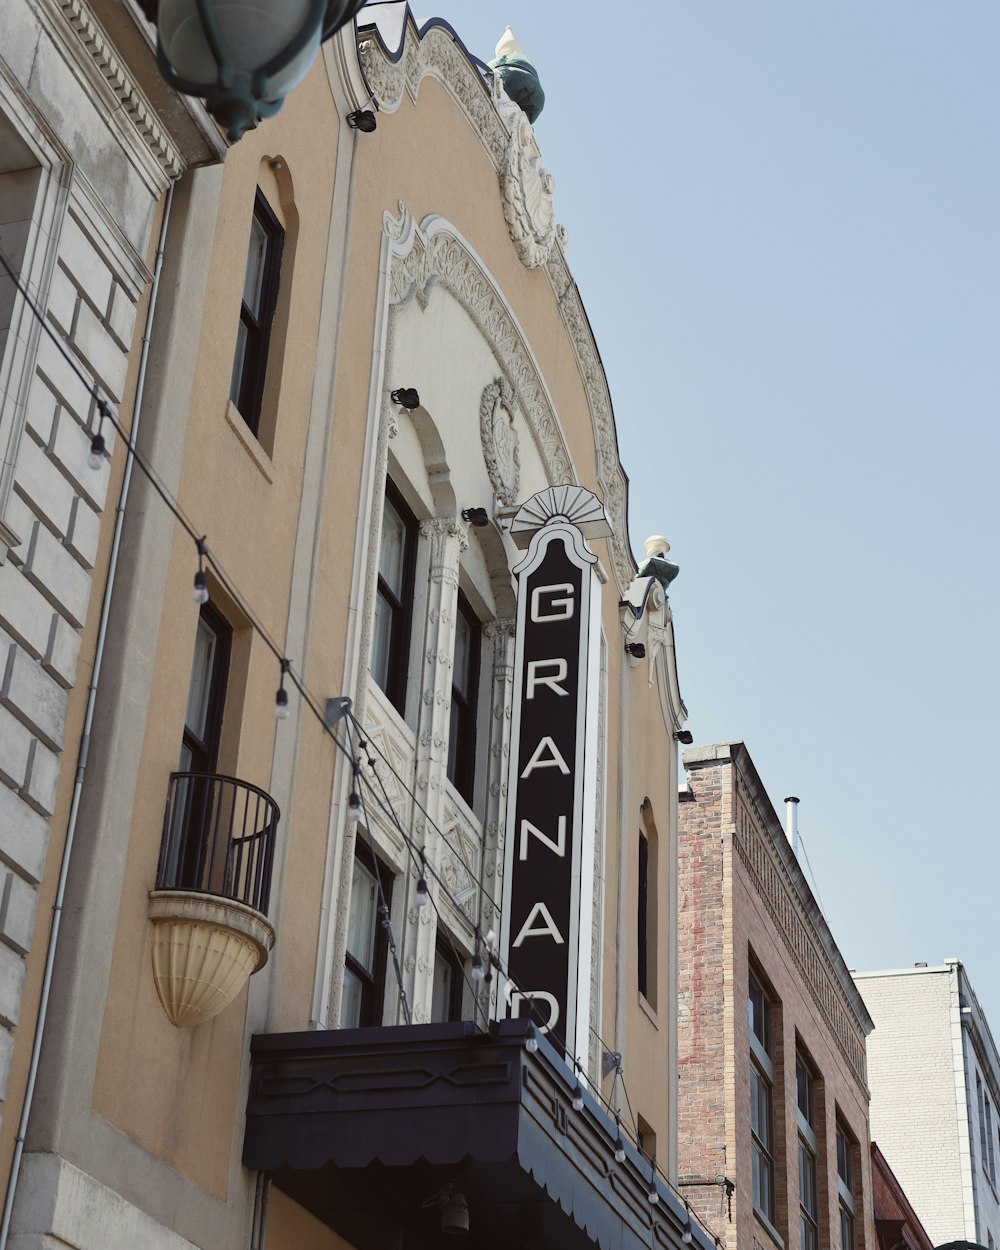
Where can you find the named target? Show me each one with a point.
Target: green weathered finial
(520, 78)
(656, 563)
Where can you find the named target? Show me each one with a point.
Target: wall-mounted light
(684, 736)
(363, 120)
(478, 517)
(406, 397)
(242, 57)
(636, 650)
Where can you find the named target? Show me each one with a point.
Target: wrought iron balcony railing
(218, 838)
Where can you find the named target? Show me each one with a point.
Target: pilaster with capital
(501, 633)
(448, 538)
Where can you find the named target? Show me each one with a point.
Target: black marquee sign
(548, 863)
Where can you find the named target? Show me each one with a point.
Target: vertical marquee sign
(548, 858)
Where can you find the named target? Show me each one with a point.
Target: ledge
(257, 454)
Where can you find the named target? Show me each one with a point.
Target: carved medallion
(527, 194)
(500, 450)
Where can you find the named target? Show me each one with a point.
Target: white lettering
(552, 681)
(517, 998)
(554, 761)
(566, 604)
(559, 845)
(546, 929)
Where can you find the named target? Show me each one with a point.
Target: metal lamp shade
(243, 56)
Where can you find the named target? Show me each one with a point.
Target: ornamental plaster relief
(437, 54)
(499, 438)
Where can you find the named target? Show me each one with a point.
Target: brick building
(935, 1081)
(773, 1106)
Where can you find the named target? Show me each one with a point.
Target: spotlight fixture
(637, 650)
(363, 120)
(453, 1207)
(477, 517)
(684, 736)
(406, 397)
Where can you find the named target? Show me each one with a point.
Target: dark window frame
(461, 767)
(401, 610)
(643, 918)
(373, 983)
(847, 1193)
(205, 751)
(806, 1082)
(456, 991)
(247, 389)
(762, 1147)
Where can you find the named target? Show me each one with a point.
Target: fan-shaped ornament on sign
(574, 505)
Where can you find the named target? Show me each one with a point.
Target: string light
(619, 1143)
(531, 1039)
(654, 1193)
(200, 592)
(281, 709)
(98, 448)
(478, 971)
(687, 1236)
(423, 895)
(578, 1097)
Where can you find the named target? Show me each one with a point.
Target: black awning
(361, 1126)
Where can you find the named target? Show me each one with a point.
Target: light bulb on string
(620, 1141)
(654, 1193)
(354, 809)
(281, 709)
(423, 895)
(98, 451)
(531, 1039)
(200, 592)
(478, 971)
(578, 1097)
(687, 1236)
(98, 448)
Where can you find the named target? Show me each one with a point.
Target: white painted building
(934, 1073)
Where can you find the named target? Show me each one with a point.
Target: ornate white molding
(434, 252)
(497, 409)
(132, 101)
(439, 55)
(527, 188)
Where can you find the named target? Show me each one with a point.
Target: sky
(782, 217)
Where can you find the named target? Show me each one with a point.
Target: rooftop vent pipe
(792, 823)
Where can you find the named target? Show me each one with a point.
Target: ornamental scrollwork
(499, 439)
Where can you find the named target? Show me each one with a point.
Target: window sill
(243, 432)
(769, 1228)
(649, 1009)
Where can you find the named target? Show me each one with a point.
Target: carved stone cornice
(132, 101)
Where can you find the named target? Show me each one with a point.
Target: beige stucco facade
(416, 256)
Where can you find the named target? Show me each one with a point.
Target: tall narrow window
(394, 598)
(464, 695)
(761, 1101)
(446, 998)
(646, 928)
(845, 1186)
(989, 1162)
(206, 693)
(805, 1084)
(260, 298)
(186, 857)
(367, 944)
(643, 914)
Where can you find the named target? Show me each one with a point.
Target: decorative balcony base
(205, 949)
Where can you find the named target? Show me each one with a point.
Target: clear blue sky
(783, 218)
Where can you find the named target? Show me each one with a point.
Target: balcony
(213, 883)
(392, 1136)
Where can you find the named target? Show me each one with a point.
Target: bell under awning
(366, 1127)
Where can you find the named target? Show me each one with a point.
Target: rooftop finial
(520, 78)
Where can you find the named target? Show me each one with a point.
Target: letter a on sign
(555, 760)
(546, 929)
